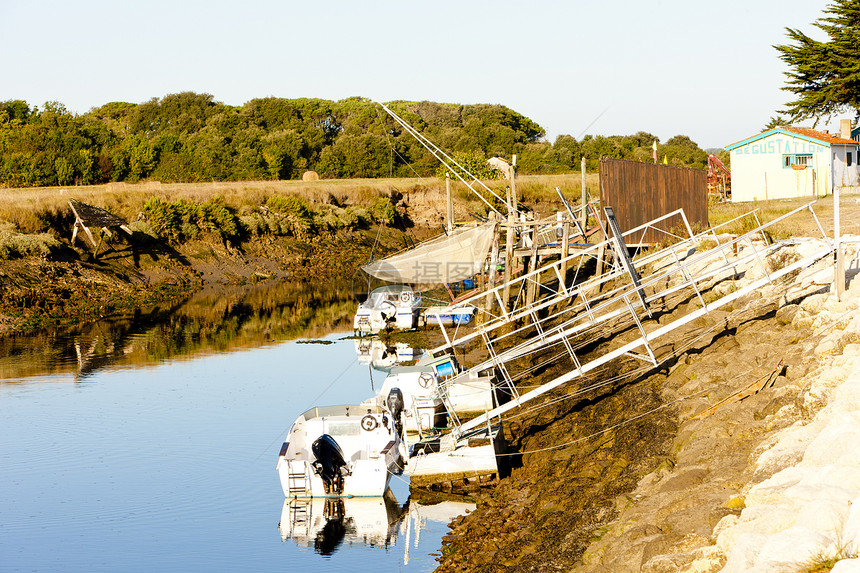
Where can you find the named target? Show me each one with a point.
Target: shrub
(289, 205)
(253, 224)
(182, 219)
(13, 244)
(385, 212)
(143, 227)
(296, 218)
(164, 217)
(215, 217)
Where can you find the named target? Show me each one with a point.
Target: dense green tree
(191, 137)
(282, 152)
(683, 151)
(356, 156)
(16, 110)
(824, 76)
(777, 121)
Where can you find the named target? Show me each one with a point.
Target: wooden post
(509, 248)
(601, 250)
(514, 182)
(450, 204)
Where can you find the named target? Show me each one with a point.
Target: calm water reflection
(219, 320)
(114, 458)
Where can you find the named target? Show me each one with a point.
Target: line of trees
(188, 137)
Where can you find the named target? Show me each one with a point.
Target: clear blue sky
(608, 67)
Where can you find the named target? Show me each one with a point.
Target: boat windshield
(396, 297)
(343, 428)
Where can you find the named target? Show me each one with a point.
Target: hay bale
(310, 176)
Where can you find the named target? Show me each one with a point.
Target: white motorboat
(342, 451)
(395, 306)
(433, 387)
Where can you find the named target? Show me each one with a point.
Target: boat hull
(448, 316)
(472, 462)
(368, 446)
(367, 478)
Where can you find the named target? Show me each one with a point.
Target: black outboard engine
(395, 406)
(329, 464)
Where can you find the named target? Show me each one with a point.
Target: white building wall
(843, 174)
(759, 172)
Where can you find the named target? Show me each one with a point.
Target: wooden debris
(754, 388)
(87, 216)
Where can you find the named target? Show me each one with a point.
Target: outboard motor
(329, 464)
(395, 406)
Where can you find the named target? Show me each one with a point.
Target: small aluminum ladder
(298, 482)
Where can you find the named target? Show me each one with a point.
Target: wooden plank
(641, 192)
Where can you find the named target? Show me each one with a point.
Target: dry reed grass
(36, 209)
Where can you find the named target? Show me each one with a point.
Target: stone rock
(813, 304)
(787, 313)
(847, 566)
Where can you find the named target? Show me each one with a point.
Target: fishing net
(447, 259)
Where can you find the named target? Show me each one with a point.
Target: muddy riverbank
(74, 288)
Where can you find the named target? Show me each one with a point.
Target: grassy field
(46, 210)
(38, 210)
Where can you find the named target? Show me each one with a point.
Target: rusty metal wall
(640, 192)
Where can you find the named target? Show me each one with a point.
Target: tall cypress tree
(825, 75)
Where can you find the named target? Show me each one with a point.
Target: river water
(149, 444)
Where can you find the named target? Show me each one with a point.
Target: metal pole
(494, 261)
(565, 252)
(584, 196)
(839, 277)
(509, 246)
(514, 181)
(531, 290)
(449, 202)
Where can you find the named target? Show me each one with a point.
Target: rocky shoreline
(675, 470)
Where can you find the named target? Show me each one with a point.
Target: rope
(326, 389)
(642, 370)
(442, 157)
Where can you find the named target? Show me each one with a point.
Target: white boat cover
(446, 259)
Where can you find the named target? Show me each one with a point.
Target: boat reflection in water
(325, 523)
(381, 355)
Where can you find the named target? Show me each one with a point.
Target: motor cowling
(395, 404)
(329, 464)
